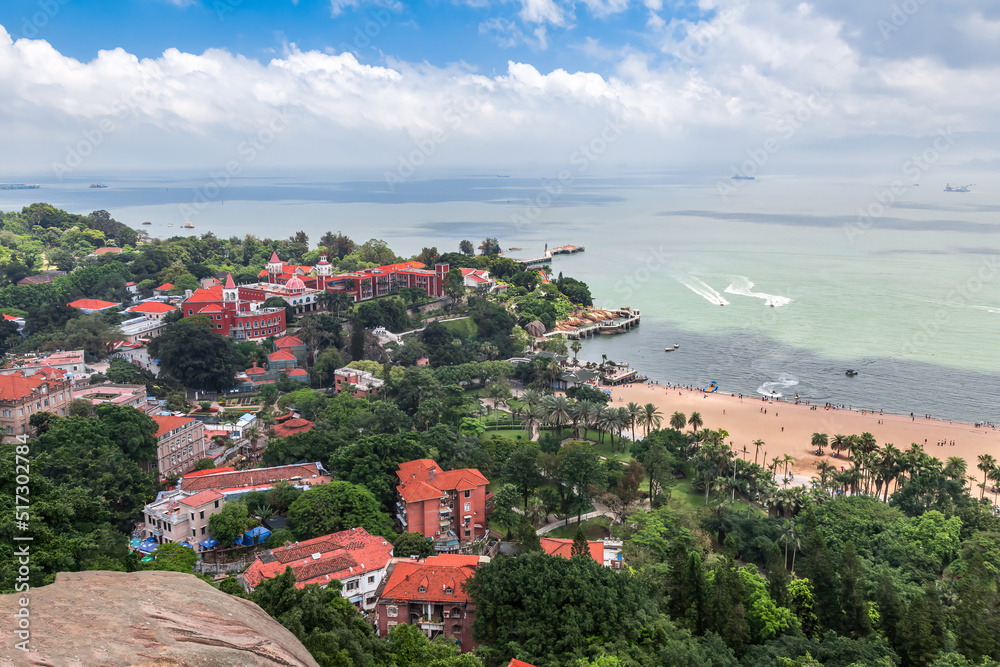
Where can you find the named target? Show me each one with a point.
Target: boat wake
(743, 286)
(969, 306)
(774, 389)
(703, 290)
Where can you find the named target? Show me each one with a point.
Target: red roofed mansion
(353, 557)
(429, 595)
(447, 506)
(22, 395)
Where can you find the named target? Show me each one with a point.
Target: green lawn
(466, 325)
(514, 433)
(594, 529)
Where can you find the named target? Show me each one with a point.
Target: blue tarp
(256, 535)
(239, 542)
(185, 544)
(147, 548)
(209, 543)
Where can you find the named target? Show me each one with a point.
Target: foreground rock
(164, 619)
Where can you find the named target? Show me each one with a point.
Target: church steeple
(274, 264)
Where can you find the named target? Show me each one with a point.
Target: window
(468, 494)
(194, 533)
(422, 589)
(468, 507)
(456, 629)
(10, 430)
(218, 326)
(468, 520)
(371, 580)
(190, 312)
(203, 530)
(391, 611)
(192, 516)
(456, 612)
(216, 504)
(352, 585)
(202, 514)
(448, 591)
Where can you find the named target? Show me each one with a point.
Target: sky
(404, 88)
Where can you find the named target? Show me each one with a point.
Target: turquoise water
(910, 297)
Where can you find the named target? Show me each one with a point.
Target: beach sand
(745, 423)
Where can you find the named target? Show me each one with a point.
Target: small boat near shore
(850, 372)
(188, 225)
(671, 349)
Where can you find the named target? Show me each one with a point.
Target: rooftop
(201, 498)
(167, 423)
(564, 548)
(429, 580)
(421, 477)
(152, 307)
(255, 477)
(91, 304)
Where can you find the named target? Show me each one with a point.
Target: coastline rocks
(145, 618)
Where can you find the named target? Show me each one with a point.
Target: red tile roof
(255, 370)
(165, 287)
(281, 355)
(168, 423)
(9, 318)
(287, 341)
(433, 575)
(342, 555)
(274, 257)
(91, 304)
(211, 308)
(420, 476)
(105, 249)
(16, 386)
(229, 281)
(213, 293)
(514, 662)
(201, 498)
(210, 471)
(564, 548)
(254, 477)
(153, 307)
(292, 426)
(296, 372)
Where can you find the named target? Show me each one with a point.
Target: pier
(547, 257)
(625, 319)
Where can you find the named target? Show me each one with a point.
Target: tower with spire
(274, 267)
(230, 294)
(323, 272)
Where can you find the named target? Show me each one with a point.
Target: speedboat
(851, 372)
(671, 349)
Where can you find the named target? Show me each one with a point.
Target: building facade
(447, 506)
(364, 383)
(429, 595)
(22, 395)
(176, 516)
(180, 442)
(237, 312)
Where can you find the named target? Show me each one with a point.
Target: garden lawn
(466, 325)
(594, 529)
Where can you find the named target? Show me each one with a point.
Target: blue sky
(261, 84)
(483, 34)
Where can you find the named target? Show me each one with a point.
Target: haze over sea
(911, 298)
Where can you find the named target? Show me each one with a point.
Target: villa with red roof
(180, 442)
(355, 558)
(152, 310)
(429, 595)
(163, 289)
(237, 312)
(447, 506)
(23, 393)
(176, 516)
(293, 345)
(564, 548)
(92, 305)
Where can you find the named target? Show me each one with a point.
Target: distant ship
(513, 248)
(98, 185)
(147, 222)
(19, 186)
(739, 177)
(188, 225)
(958, 188)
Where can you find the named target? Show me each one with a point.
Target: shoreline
(787, 428)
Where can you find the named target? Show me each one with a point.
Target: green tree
(206, 463)
(230, 522)
(917, 644)
(581, 549)
(466, 248)
(454, 285)
(335, 506)
(173, 557)
(581, 470)
(132, 430)
(412, 544)
(195, 355)
(503, 514)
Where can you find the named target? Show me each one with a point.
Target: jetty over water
(547, 257)
(624, 320)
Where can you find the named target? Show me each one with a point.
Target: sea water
(778, 284)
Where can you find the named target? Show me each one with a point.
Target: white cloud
(542, 11)
(727, 80)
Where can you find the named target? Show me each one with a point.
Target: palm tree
(556, 410)
(839, 443)
(791, 536)
(986, 463)
(531, 397)
(576, 414)
(575, 345)
(651, 417)
(819, 440)
(758, 444)
(954, 467)
(994, 476)
(533, 417)
(552, 372)
(634, 411)
(678, 421)
(695, 421)
(825, 470)
(622, 418)
(253, 435)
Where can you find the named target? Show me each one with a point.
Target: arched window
(456, 629)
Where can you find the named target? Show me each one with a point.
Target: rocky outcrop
(161, 619)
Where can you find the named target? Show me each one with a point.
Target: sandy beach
(787, 428)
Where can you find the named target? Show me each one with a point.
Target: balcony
(433, 624)
(402, 519)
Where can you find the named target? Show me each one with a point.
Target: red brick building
(447, 506)
(22, 395)
(237, 312)
(429, 595)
